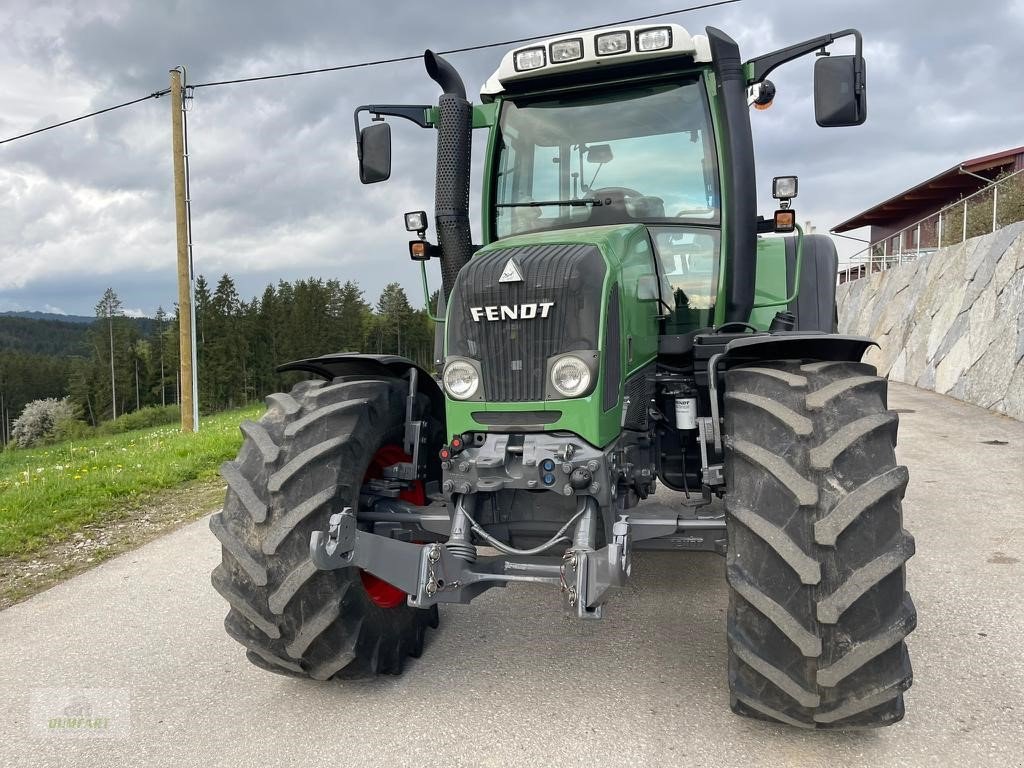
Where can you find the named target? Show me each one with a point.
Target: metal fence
(984, 211)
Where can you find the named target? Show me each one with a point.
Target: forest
(117, 364)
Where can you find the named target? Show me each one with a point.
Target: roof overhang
(936, 192)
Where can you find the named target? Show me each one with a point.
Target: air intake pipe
(454, 151)
(740, 193)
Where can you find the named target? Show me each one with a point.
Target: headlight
(611, 43)
(570, 376)
(655, 39)
(567, 50)
(461, 380)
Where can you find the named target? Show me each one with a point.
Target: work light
(416, 221)
(529, 58)
(567, 50)
(611, 43)
(784, 187)
(655, 39)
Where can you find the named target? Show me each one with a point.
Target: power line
(154, 95)
(374, 63)
(397, 59)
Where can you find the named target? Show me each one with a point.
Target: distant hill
(43, 337)
(49, 316)
(44, 333)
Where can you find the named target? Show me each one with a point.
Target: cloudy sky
(274, 187)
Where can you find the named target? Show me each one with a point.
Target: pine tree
(109, 307)
(394, 316)
(354, 315)
(158, 342)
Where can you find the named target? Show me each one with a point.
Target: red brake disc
(381, 593)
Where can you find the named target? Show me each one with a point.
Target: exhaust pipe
(454, 151)
(740, 193)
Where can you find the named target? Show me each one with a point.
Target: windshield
(636, 154)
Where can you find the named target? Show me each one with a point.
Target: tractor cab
(615, 128)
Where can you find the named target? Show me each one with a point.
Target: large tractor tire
(818, 607)
(304, 460)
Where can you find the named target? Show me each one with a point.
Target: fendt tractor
(628, 322)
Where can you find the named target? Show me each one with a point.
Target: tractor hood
(524, 302)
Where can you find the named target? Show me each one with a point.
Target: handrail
(426, 294)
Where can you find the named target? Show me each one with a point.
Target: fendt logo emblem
(514, 312)
(511, 273)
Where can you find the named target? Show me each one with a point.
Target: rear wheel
(818, 608)
(306, 459)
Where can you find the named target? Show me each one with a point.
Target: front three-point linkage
(440, 573)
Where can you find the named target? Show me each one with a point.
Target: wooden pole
(184, 271)
(113, 386)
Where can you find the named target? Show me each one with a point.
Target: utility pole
(185, 311)
(113, 386)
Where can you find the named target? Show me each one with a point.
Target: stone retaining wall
(951, 321)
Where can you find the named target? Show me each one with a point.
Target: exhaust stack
(454, 151)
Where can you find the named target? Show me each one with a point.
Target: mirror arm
(760, 67)
(417, 113)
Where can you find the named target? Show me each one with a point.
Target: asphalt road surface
(509, 680)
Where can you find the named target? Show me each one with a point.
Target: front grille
(513, 353)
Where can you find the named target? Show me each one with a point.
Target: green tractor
(628, 321)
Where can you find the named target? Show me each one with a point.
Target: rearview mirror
(599, 153)
(840, 91)
(375, 153)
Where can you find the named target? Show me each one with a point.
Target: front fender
(356, 364)
(800, 344)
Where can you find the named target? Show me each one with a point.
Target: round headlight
(461, 380)
(570, 376)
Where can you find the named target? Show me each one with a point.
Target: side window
(689, 264)
(638, 272)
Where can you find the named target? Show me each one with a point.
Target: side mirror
(840, 91)
(375, 153)
(647, 288)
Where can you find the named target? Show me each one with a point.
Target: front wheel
(306, 459)
(818, 608)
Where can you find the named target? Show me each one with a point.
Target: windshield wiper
(540, 203)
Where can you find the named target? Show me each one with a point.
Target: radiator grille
(513, 352)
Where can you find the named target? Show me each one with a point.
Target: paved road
(510, 681)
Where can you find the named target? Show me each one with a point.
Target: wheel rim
(382, 593)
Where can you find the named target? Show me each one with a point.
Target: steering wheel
(625, 191)
(736, 324)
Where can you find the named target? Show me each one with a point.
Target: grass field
(47, 494)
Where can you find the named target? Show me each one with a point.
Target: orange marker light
(785, 220)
